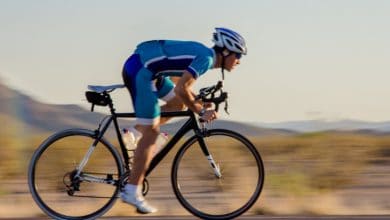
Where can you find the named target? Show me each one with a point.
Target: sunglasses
(238, 56)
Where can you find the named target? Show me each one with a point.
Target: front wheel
(223, 184)
(63, 191)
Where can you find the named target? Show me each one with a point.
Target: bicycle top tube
(163, 114)
(100, 96)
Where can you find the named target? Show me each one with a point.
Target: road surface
(260, 217)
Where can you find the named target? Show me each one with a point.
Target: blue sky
(307, 59)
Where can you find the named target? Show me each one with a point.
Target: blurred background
(312, 94)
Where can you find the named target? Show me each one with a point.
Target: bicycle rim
(205, 195)
(51, 170)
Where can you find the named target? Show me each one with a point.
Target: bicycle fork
(213, 164)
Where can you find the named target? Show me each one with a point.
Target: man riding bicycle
(151, 74)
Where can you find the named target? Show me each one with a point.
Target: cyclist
(151, 74)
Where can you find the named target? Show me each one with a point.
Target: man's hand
(207, 105)
(209, 115)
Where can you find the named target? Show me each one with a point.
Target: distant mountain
(342, 125)
(20, 113)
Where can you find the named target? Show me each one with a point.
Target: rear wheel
(225, 192)
(55, 185)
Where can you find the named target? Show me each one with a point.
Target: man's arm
(184, 91)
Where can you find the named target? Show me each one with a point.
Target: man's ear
(225, 53)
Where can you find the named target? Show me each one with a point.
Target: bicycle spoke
(65, 192)
(223, 185)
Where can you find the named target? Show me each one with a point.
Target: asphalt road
(344, 217)
(261, 217)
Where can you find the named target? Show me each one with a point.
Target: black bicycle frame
(190, 124)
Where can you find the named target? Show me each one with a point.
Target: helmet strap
(223, 67)
(224, 54)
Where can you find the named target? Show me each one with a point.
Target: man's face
(231, 61)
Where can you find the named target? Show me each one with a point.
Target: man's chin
(229, 69)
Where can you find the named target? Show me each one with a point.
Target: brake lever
(227, 107)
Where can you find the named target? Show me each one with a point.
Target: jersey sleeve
(200, 65)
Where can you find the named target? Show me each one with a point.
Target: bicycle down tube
(190, 124)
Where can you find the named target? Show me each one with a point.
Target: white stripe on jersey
(154, 60)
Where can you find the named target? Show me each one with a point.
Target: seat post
(110, 103)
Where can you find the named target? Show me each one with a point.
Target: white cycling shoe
(138, 201)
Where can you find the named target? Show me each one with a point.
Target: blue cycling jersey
(159, 59)
(171, 57)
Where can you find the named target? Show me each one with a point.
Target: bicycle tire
(201, 195)
(54, 155)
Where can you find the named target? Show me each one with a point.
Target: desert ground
(312, 174)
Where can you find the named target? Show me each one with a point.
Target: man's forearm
(188, 98)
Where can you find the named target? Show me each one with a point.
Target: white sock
(133, 189)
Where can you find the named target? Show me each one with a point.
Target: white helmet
(230, 39)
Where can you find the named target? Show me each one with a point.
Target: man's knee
(149, 131)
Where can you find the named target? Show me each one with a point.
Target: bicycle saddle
(100, 89)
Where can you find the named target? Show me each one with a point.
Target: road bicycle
(78, 173)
